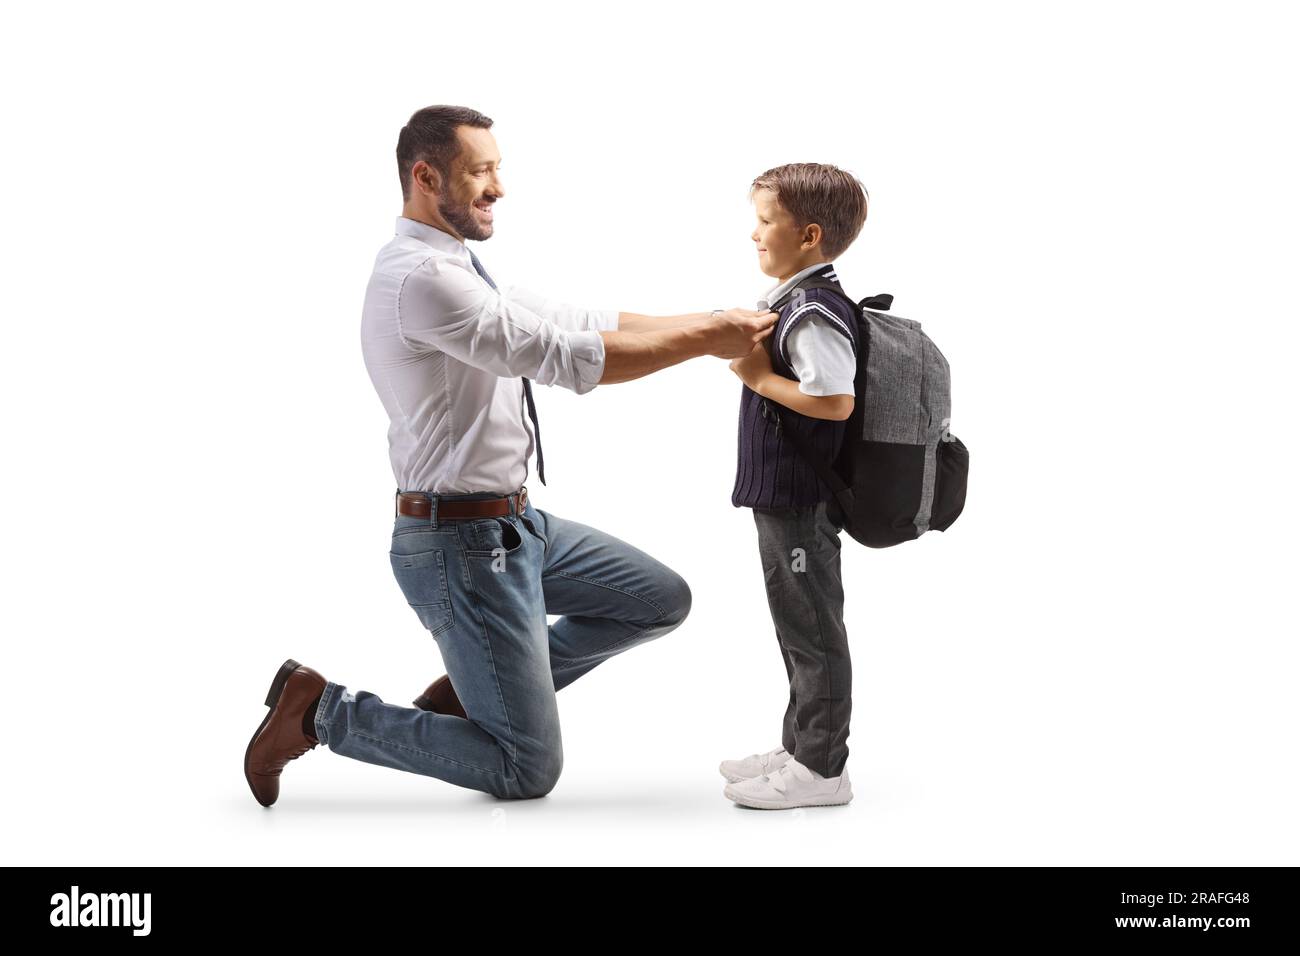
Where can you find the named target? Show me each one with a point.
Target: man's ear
(427, 179)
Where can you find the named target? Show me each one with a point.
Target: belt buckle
(522, 498)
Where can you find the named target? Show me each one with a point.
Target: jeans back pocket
(422, 576)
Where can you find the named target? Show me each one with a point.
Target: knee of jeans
(539, 776)
(676, 600)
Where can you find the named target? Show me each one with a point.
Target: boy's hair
(817, 192)
(430, 135)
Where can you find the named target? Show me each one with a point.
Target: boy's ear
(812, 235)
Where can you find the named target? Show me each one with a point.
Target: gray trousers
(800, 552)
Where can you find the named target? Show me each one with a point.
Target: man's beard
(462, 219)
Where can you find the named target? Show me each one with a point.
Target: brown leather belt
(416, 504)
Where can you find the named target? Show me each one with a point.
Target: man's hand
(735, 332)
(754, 367)
(731, 334)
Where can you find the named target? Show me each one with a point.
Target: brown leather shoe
(440, 697)
(280, 737)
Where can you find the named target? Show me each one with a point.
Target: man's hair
(430, 135)
(816, 192)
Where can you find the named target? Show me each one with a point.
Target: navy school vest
(770, 471)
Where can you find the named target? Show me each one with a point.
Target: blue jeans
(483, 588)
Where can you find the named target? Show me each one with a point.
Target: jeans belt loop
(433, 512)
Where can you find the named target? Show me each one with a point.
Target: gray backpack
(900, 472)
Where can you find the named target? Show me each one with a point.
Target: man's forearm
(630, 355)
(632, 322)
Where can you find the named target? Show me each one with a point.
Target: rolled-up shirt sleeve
(566, 316)
(444, 306)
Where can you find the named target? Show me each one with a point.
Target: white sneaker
(794, 785)
(755, 765)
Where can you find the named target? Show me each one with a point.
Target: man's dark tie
(528, 388)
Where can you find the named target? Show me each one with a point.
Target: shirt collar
(782, 288)
(430, 235)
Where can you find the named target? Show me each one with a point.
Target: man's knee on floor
(676, 600)
(537, 777)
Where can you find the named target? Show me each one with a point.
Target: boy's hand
(754, 367)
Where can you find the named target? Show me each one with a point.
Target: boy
(808, 214)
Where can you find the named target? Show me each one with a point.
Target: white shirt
(446, 352)
(823, 358)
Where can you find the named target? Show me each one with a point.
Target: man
(452, 359)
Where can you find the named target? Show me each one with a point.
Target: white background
(1092, 209)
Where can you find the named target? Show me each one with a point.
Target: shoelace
(270, 770)
(302, 750)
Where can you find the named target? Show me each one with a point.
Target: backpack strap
(837, 311)
(881, 302)
(853, 313)
(843, 493)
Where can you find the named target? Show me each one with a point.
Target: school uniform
(813, 343)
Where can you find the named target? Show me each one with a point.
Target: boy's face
(780, 241)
